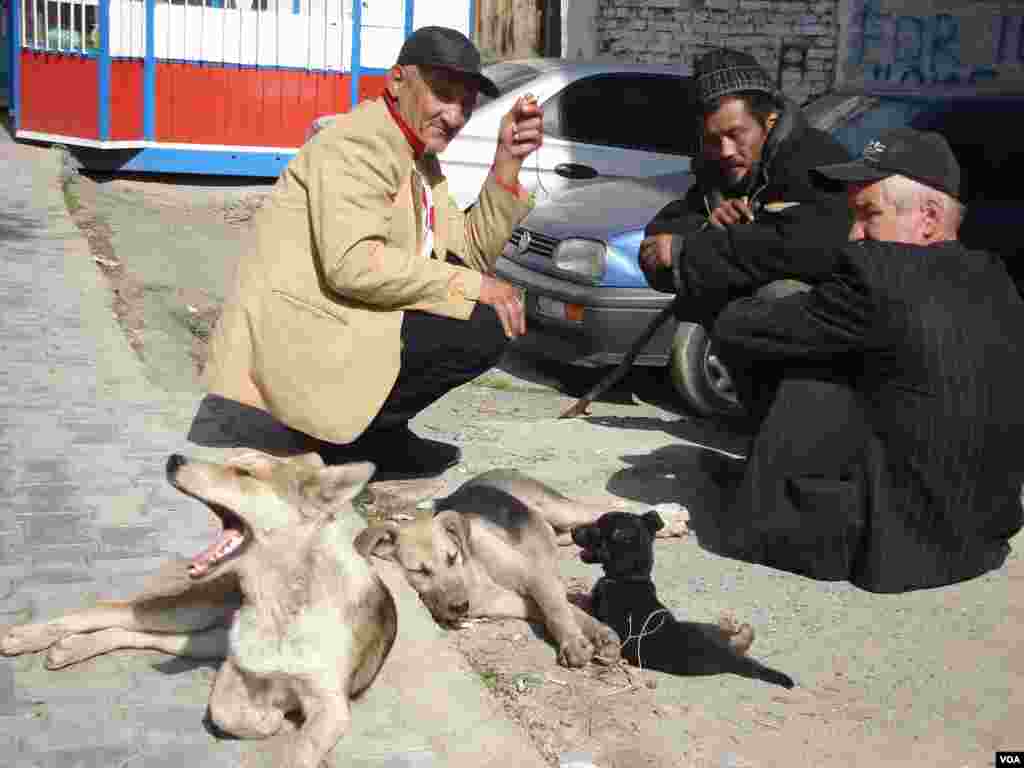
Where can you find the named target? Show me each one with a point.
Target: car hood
(603, 208)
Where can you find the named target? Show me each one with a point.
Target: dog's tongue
(228, 540)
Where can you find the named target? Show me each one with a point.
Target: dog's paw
(576, 652)
(607, 646)
(676, 518)
(72, 649)
(739, 636)
(29, 638)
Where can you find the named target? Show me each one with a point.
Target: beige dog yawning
(301, 619)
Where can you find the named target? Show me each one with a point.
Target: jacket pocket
(301, 355)
(329, 313)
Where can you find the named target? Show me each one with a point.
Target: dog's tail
(769, 675)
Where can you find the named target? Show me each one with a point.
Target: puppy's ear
(379, 540)
(457, 527)
(654, 522)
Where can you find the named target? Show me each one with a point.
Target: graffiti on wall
(915, 45)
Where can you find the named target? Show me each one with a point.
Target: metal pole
(149, 75)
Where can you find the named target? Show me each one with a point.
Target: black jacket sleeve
(680, 217)
(820, 326)
(798, 227)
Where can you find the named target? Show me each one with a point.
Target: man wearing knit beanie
(754, 214)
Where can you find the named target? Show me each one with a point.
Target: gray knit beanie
(724, 71)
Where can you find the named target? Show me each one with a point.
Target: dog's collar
(613, 580)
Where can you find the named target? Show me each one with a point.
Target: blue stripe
(297, 7)
(149, 75)
(160, 160)
(472, 20)
(14, 95)
(357, 21)
(103, 91)
(410, 7)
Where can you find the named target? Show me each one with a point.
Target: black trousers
(438, 355)
(802, 503)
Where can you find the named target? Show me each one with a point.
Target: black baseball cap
(923, 156)
(447, 48)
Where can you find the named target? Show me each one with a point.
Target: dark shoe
(398, 453)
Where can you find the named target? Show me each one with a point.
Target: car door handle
(575, 171)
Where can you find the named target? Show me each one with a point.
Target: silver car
(593, 114)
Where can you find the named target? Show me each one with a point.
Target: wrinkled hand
(507, 301)
(520, 133)
(655, 254)
(734, 211)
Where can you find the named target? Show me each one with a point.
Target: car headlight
(584, 258)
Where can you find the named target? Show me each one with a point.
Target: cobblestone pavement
(88, 513)
(87, 510)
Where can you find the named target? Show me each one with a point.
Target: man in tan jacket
(369, 295)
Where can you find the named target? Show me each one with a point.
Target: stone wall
(802, 33)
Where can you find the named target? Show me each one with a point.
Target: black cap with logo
(447, 48)
(922, 156)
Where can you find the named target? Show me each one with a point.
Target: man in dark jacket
(890, 454)
(753, 215)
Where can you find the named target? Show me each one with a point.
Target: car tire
(700, 378)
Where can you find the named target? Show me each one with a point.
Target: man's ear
(394, 80)
(932, 219)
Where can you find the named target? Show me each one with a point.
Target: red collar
(414, 141)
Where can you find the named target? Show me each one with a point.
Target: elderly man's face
(875, 217)
(434, 102)
(733, 139)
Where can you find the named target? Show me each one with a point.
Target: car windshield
(508, 75)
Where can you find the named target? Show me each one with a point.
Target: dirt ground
(881, 702)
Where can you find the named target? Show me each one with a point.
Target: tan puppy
(302, 620)
(491, 551)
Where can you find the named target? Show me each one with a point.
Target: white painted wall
(579, 29)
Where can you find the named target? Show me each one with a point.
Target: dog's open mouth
(228, 544)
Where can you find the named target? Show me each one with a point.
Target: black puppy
(625, 599)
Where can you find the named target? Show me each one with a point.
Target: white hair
(904, 194)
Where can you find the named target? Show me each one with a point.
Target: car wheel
(698, 375)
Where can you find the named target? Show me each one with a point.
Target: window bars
(302, 34)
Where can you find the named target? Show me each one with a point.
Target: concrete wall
(579, 29)
(931, 45)
(811, 46)
(795, 40)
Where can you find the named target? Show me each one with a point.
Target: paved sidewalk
(84, 439)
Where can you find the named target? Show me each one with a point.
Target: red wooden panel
(370, 86)
(245, 106)
(196, 115)
(220, 84)
(126, 99)
(59, 94)
(166, 74)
